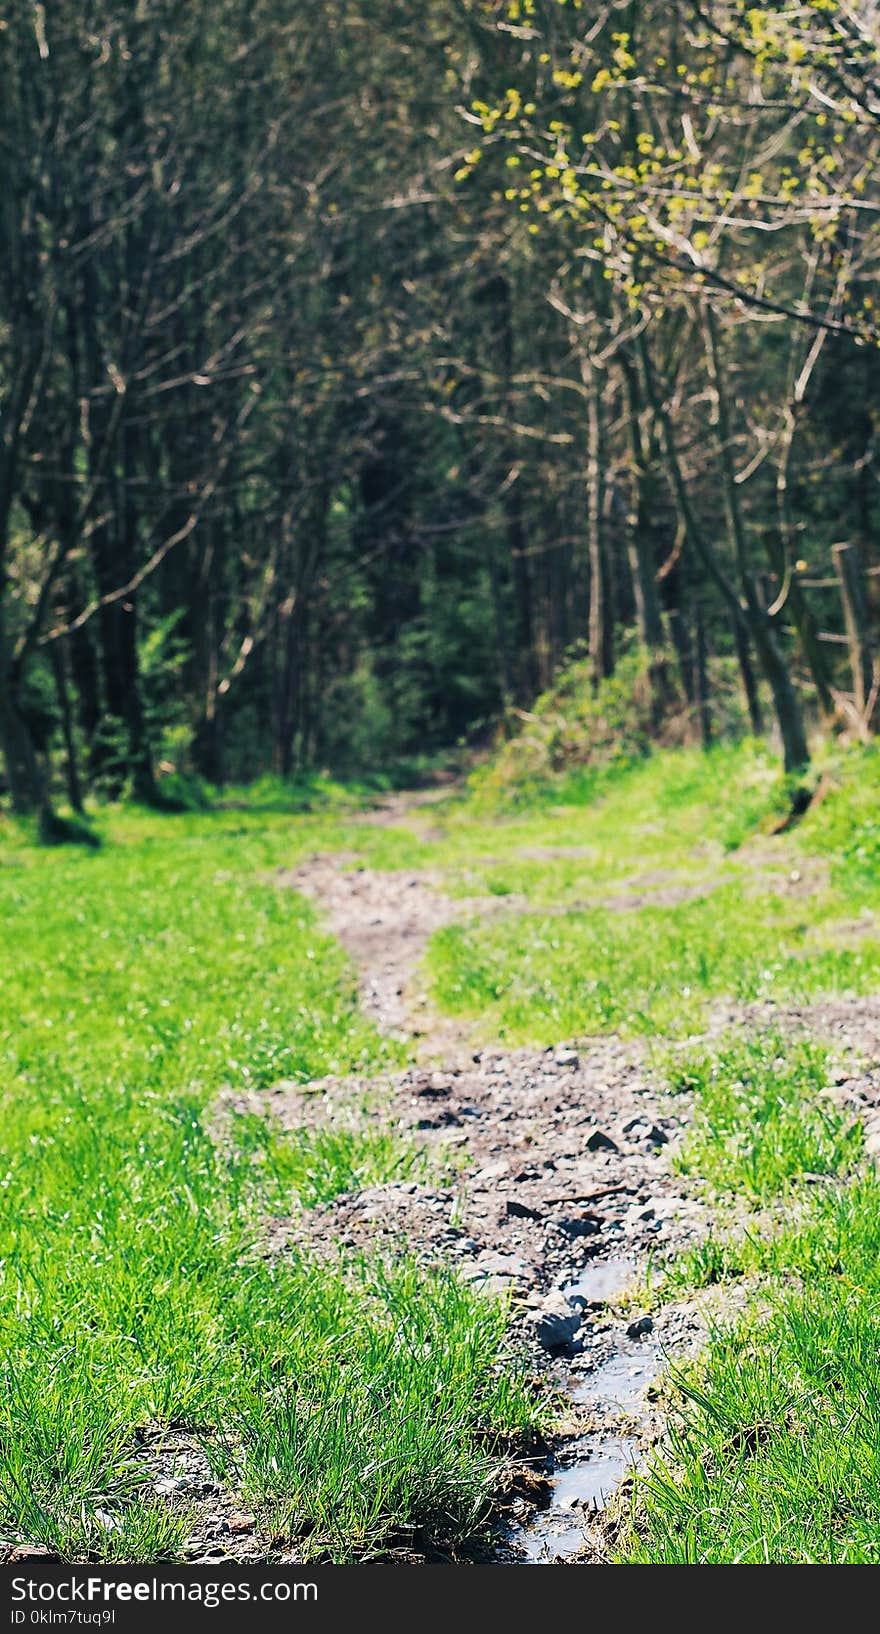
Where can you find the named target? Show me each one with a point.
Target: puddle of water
(541, 1545)
(584, 1485)
(619, 1382)
(600, 1281)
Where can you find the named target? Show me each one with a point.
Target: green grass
(352, 1402)
(760, 1121)
(775, 1456)
(592, 967)
(655, 970)
(135, 983)
(773, 1446)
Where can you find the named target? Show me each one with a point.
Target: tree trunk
(681, 641)
(59, 671)
(858, 628)
(750, 685)
(499, 626)
(27, 783)
(600, 629)
(700, 688)
(786, 702)
(649, 618)
(117, 625)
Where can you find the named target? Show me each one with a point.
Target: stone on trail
(521, 1211)
(600, 1142)
(642, 1128)
(556, 1323)
(580, 1225)
(638, 1329)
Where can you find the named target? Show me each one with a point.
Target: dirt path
(385, 921)
(556, 1186)
(547, 1175)
(557, 1183)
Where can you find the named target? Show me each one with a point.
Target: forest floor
(438, 1182)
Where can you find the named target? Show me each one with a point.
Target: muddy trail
(548, 1175)
(556, 1187)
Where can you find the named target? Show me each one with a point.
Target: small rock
(431, 1091)
(556, 1324)
(580, 1225)
(599, 1142)
(566, 1058)
(241, 1523)
(445, 1120)
(640, 1327)
(489, 1264)
(520, 1211)
(642, 1128)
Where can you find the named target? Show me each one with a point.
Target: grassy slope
(586, 967)
(135, 983)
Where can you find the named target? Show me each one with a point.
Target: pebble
(521, 1211)
(556, 1324)
(598, 1141)
(580, 1225)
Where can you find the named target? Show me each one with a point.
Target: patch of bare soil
(549, 1159)
(384, 921)
(555, 1183)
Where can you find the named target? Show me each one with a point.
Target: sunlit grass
(760, 1120)
(773, 1442)
(349, 1402)
(135, 1290)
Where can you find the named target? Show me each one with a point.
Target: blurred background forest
(369, 371)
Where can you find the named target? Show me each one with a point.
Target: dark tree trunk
(700, 687)
(27, 782)
(786, 703)
(681, 641)
(600, 625)
(59, 671)
(858, 628)
(503, 662)
(746, 670)
(127, 756)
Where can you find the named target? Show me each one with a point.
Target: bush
(577, 728)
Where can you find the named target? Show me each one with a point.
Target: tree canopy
(359, 366)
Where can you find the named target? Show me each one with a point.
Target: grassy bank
(666, 891)
(347, 1404)
(773, 1449)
